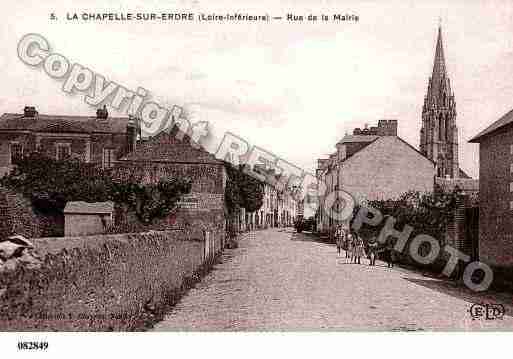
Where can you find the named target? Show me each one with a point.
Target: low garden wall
(102, 283)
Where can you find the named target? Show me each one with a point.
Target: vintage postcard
(255, 166)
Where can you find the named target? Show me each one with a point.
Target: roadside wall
(18, 217)
(102, 283)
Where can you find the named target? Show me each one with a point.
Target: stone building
(100, 139)
(172, 155)
(279, 209)
(375, 165)
(439, 132)
(496, 192)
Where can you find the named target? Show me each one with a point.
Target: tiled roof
(384, 138)
(501, 122)
(89, 208)
(58, 123)
(166, 147)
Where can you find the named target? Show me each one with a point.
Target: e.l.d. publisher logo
(488, 311)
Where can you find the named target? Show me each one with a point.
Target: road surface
(281, 280)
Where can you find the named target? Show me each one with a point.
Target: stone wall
(201, 210)
(108, 282)
(496, 199)
(18, 217)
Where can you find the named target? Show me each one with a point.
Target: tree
(242, 191)
(426, 213)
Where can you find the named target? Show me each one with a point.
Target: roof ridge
(504, 120)
(382, 137)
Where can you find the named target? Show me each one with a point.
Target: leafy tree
(243, 190)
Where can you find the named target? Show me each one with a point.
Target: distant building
(100, 139)
(496, 192)
(279, 208)
(375, 165)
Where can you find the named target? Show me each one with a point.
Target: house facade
(373, 164)
(496, 192)
(96, 139)
(279, 209)
(172, 155)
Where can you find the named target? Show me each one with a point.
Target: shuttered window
(108, 157)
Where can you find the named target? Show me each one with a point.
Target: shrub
(51, 183)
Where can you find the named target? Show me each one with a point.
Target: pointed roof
(505, 120)
(167, 147)
(439, 83)
(389, 140)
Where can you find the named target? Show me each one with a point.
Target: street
(280, 280)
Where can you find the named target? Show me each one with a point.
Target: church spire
(439, 90)
(439, 63)
(439, 133)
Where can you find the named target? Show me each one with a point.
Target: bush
(51, 183)
(428, 213)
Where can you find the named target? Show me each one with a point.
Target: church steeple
(439, 134)
(439, 64)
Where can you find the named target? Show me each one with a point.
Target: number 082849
(32, 345)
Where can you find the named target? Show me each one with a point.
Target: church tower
(439, 134)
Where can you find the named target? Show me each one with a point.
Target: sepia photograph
(324, 173)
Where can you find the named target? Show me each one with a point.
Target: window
(440, 122)
(108, 157)
(447, 128)
(63, 151)
(16, 151)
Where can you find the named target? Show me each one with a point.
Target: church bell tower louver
(439, 133)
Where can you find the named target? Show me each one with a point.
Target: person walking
(348, 242)
(339, 238)
(389, 255)
(373, 249)
(350, 246)
(358, 249)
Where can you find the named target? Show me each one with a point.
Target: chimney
(333, 159)
(133, 132)
(387, 127)
(29, 111)
(341, 152)
(102, 113)
(322, 163)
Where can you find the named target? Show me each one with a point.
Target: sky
(293, 88)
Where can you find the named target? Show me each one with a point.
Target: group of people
(355, 247)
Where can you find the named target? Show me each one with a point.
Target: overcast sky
(292, 88)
